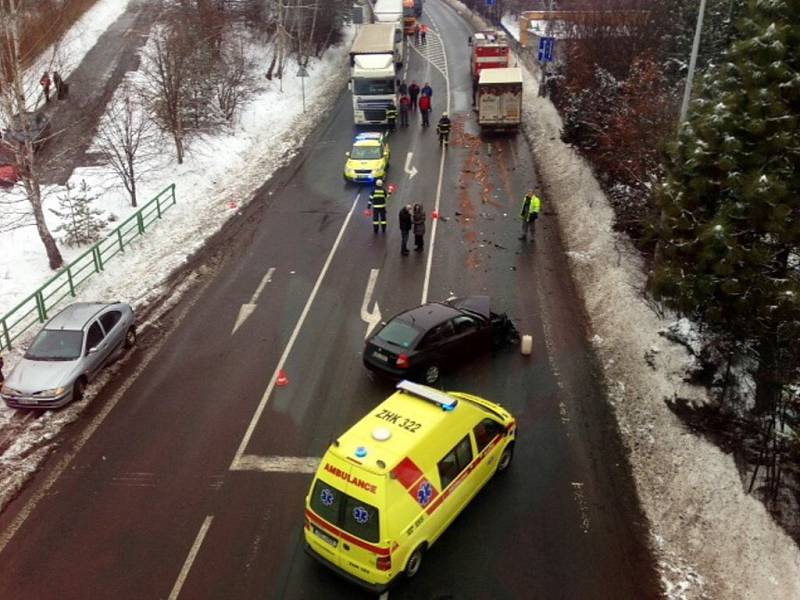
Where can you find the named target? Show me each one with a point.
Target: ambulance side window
(485, 431)
(454, 462)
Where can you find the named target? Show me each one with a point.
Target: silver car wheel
(130, 338)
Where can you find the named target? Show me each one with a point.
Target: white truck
(500, 98)
(391, 12)
(373, 83)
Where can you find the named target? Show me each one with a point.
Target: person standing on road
(404, 220)
(423, 31)
(427, 90)
(419, 227)
(391, 115)
(413, 92)
(405, 106)
(377, 202)
(443, 129)
(402, 88)
(425, 109)
(416, 34)
(45, 83)
(531, 205)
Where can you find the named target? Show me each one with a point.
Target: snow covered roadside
(711, 538)
(219, 175)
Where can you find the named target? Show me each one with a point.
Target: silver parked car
(67, 354)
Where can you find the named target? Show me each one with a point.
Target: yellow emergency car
(390, 486)
(368, 160)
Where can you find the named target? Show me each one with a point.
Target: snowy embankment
(220, 173)
(23, 267)
(712, 539)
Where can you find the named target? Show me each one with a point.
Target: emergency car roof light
(360, 452)
(439, 398)
(381, 434)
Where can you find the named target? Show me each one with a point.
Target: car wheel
(130, 338)
(505, 458)
(79, 389)
(414, 563)
(431, 374)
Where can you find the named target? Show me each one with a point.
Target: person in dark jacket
(402, 88)
(443, 129)
(413, 92)
(377, 202)
(427, 90)
(425, 109)
(419, 227)
(405, 106)
(404, 219)
(45, 83)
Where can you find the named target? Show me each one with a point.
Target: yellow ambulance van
(390, 486)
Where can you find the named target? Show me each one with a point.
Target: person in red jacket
(405, 106)
(425, 109)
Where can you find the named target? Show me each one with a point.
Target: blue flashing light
(361, 452)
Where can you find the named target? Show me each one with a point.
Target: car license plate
(329, 539)
(380, 356)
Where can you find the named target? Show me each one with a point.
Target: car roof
(369, 135)
(75, 316)
(428, 315)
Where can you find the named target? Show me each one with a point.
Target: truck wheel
(414, 563)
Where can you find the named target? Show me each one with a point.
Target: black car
(418, 343)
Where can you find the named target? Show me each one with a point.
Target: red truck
(490, 50)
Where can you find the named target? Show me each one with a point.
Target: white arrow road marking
(374, 317)
(409, 169)
(249, 308)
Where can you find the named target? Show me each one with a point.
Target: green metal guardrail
(36, 308)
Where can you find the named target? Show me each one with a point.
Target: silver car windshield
(53, 344)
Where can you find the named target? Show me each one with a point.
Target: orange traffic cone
(232, 204)
(435, 215)
(367, 212)
(282, 380)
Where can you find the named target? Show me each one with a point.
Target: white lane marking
(384, 596)
(437, 202)
(374, 317)
(290, 344)
(278, 464)
(176, 589)
(87, 433)
(247, 309)
(408, 168)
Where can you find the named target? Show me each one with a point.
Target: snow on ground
(22, 266)
(218, 170)
(712, 539)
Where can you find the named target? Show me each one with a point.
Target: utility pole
(687, 92)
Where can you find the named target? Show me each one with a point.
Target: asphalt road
(177, 489)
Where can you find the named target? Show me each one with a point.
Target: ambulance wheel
(414, 562)
(505, 458)
(431, 374)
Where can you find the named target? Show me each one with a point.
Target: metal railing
(37, 307)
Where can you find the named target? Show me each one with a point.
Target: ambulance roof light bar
(439, 398)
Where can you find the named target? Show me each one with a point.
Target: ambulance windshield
(345, 512)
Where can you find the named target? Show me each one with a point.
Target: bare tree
(234, 81)
(166, 86)
(14, 109)
(125, 139)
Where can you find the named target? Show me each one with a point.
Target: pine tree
(81, 223)
(729, 233)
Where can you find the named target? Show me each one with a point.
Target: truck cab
(373, 84)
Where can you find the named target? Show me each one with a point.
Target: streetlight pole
(687, 92)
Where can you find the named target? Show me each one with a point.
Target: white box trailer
(374, 38)
(373, 83)
(391, 12)
(500, 98)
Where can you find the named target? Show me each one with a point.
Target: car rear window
(399, 333)
(55, 344)
(345, 512)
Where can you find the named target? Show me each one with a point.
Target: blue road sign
(491, 2)
(546, 47)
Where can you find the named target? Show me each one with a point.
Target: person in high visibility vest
(443, 129)
(531, 205)
(391, 115)
(377, 202)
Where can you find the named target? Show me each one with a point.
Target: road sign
(302, 71)
(546, 48)
(491, 2)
